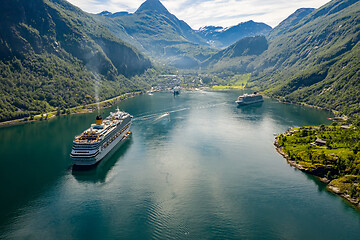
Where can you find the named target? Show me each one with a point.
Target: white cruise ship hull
(103, 151)
(101, 139)
(242, 103)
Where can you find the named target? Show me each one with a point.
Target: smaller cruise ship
(91, 146)
(247, 99)
(176, 90)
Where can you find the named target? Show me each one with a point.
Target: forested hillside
(53, 55)
(238, 56)
(315, 59)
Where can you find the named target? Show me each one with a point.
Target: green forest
(336, 157)
(313, 59)
(53, 57)
(31, 87)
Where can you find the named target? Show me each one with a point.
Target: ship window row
(83, 146)
(86, 145)
(84, 156)
(116, 136)
(112, 134)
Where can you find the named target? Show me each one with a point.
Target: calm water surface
(209, 170)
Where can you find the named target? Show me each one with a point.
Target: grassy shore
(236, 82)
(220, 87)
(331, 153)
(75, 110)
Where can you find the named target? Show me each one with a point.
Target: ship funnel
(99, 120)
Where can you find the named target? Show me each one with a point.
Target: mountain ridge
(316, 61)
(243, 51)
(152, 5)
(161, 35)
(290, 21)
(220, 37)
(51, 55)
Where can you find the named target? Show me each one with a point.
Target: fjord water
(208, 170)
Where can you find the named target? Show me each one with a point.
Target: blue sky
(198, 13)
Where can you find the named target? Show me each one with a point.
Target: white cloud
(199, 13)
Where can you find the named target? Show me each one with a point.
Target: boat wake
(160, 115)
(167, 114)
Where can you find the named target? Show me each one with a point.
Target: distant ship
(95, 143)
(176, 90)
(249, 99)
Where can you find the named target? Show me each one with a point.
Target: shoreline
(89, 108)
(329, 185)
(342, 118)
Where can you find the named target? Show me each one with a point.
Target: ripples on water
(206, 170)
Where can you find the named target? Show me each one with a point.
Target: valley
(196, 164)
(305, 59)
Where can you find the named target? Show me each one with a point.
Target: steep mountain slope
(290, 22)
(51, 55)
(317, 60)
(151, 8)
(160, 34)
(238, 56)
(219, 37)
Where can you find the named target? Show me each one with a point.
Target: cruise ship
(249, 99)
(91, 146)
(176, 90)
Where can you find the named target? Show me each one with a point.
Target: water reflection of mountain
(99, 173)
(289, 114)
(281, 113)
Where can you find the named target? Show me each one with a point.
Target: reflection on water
(253, 106)
(252, 112)
(208, 169)
(99, 172)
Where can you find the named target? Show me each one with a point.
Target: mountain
(52, 54)
(113, 15)
(159, 34)
(315, 61)
(220, 37)
(290, 22)
(238, 56)
(154, 6)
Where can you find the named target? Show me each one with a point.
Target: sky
(199, 13)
